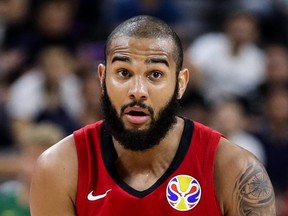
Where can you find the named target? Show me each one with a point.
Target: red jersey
(186, 188)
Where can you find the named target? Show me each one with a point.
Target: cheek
(158, 95)
(161, 96)
(116, 93)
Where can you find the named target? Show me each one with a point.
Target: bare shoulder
(55, 180)
(242, 184)
(63, 151)
(61, 158)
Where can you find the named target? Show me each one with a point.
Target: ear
(183, 79)
(101, 73)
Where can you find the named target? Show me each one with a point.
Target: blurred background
(236, 51)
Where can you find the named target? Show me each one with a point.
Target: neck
(235, 48)
(136, 166)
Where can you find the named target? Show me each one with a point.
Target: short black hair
(144, 26)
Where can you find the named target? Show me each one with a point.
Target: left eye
(155, 75)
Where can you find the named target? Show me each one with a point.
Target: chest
(185, 188)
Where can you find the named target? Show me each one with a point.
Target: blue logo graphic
(183, 192)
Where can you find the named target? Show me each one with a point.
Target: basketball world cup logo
(183, 192)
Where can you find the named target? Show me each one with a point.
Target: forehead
(145, 47)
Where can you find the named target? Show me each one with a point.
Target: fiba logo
(183, 192)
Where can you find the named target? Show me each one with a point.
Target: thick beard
(139, 140)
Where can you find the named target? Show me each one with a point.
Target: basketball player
(143, 159)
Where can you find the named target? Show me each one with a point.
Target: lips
(136, 115)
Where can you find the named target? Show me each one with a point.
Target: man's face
(139, 91)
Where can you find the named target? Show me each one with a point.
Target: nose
(138, 89)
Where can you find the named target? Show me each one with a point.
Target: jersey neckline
(109, 156)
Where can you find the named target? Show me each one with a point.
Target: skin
(151, 77)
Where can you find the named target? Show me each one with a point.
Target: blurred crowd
(236, 51)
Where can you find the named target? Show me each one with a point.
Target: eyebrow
(153, 60)
(157, 60)
(121, 58)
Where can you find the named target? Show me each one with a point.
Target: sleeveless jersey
(185, 189)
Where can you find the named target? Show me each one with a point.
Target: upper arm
(243, 186)
(54, 181)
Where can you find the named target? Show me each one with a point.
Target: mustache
(138, 103)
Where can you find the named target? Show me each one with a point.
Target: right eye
(123, 73)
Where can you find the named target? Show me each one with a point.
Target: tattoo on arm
(253, 192)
